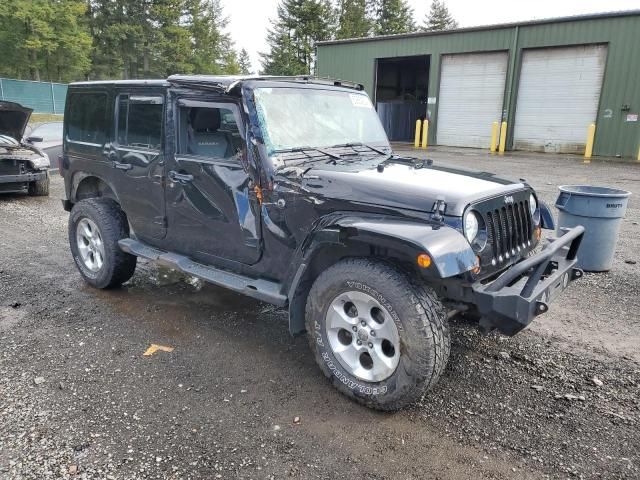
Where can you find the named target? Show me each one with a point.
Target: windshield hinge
(438, 210)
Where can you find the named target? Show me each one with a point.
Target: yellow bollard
(503, 138)
(416, 142)
(591, 134)
(639, 154)
(425, 133)
(494, 137)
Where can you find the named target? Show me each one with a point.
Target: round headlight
(471, 226)
(533, 204)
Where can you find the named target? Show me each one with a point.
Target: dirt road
(79, 400)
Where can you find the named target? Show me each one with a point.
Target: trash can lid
(593, 191)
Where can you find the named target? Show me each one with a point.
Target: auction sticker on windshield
(360, 101)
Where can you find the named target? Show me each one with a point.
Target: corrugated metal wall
(42, 97)
(614, 135)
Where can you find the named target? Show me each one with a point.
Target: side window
(87, 119)
(139, 121)
(210, 132)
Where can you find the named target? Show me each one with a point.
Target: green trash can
(600, 211)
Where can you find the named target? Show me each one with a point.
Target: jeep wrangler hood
(13, 119)
(406, 187)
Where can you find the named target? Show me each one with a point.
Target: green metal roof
(572, 18)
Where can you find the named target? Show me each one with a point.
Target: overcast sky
(249, 19)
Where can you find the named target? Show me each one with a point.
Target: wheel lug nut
(355, 329)
(370, 345)
(363, 323)
(373, 333)
(359, 342)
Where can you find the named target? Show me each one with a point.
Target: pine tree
(212, 51)
(393, 16)
(44, 39)
(244, 61)
(298, 26)
(353, 19)
(439, 18)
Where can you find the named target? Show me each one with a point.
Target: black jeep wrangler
(287, 190)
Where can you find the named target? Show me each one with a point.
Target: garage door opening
(558, 98)
(401, 94)
(471, 98)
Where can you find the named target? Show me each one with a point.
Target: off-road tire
(419, 316)
(39, 188)
(118, 266)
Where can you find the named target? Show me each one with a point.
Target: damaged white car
(24, 168)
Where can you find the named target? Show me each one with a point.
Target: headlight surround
(471, 225)
(40, 162)
(533, 204)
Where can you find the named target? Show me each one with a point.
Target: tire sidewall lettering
(352, 384)
(378, 296)
(336, 370)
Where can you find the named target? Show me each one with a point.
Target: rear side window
(140, 121)
(87, 118)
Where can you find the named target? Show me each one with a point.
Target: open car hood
(13, 119)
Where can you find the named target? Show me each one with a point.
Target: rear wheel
(39, 188)
(95, 226)
(381, 337)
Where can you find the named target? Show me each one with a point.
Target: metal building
(548, 79)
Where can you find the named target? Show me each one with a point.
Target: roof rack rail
(227, 83)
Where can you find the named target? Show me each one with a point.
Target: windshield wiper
(360, 144)
(305, 149)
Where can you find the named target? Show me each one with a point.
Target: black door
(211, 211)
(136, 155)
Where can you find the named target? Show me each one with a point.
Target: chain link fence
(42, 97)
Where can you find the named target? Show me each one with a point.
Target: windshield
(301, 117)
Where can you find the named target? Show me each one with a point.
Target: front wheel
(379, 336)
(40, 188)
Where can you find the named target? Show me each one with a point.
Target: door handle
(122, 166)
(180, 177)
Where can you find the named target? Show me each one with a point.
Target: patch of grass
(44, 117)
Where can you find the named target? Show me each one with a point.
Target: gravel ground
(239, 398)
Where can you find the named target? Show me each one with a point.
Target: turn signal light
(476, 267)
(424, 260)
(537, 233)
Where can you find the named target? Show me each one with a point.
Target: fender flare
(79, 176)
(546, 217)
(450, 252)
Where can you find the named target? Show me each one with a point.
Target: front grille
(11, 167)
(509, 230)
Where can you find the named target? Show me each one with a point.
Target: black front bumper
(24, 177)
(524, 291)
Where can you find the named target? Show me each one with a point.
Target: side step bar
(260, 289)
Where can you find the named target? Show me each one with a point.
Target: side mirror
(34, 139)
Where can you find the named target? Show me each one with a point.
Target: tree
(439, 18)
(156, 38)
(44, 39)
(244, 61)
(392, 17)
(299, 24)
(353, 19)
(213, 51)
